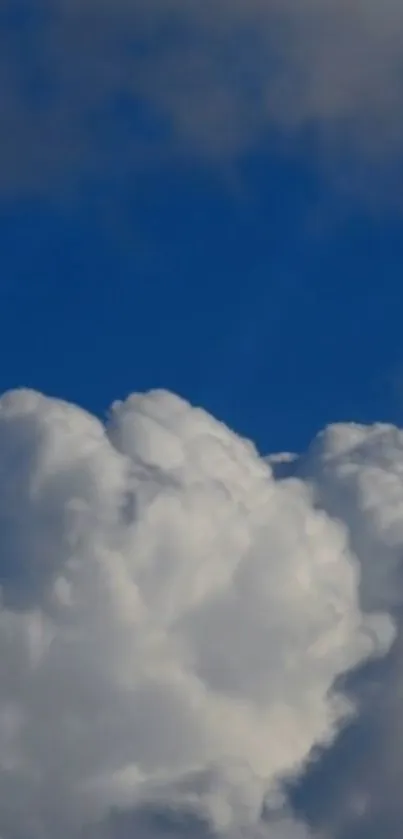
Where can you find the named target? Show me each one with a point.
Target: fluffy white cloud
(356, 475)
(173, 617)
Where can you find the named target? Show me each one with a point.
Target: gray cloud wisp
(88, 85)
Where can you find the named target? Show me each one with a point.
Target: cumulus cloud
(86, 83)
(357, 473)
(173, 620)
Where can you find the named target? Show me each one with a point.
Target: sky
(240, 273)
(201, 204)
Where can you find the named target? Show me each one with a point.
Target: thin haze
(85, 82)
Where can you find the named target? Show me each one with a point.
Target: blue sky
(275, 304)
(151, 239)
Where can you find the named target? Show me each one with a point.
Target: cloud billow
(174, 618)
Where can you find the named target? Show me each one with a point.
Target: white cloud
(173, 619)
(356, 475)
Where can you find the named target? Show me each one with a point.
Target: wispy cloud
(87, 84)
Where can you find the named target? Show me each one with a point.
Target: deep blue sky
(271, 300)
